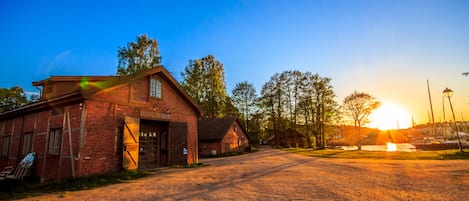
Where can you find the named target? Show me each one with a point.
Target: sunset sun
(390, 116)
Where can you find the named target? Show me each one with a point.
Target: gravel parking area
(271, 174)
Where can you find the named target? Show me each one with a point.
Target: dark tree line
(298, 102)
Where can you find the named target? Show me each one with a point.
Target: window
(155, 88)
(5, 145)
(27, 139)
(54, 141)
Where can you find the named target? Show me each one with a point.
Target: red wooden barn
(86, 125)
(219, 136)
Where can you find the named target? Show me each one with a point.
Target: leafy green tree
(138, 56)
(244, 98)
(12, 98)
(317, 107)
(204, 80)
(293, 100)
(358, 106)
(229, 108)
(465, 74)
(267, 103)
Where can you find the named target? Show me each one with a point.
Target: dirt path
(278, 175)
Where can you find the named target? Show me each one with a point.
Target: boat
(439, 146)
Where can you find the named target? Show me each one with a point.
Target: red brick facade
(221, 136)
(90, 120)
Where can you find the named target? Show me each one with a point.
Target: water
(405, 147)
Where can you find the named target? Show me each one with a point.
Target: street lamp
(448, 93)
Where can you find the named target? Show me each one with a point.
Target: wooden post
(70, 143)
(82, 136)
(62, 142)
(46, 147)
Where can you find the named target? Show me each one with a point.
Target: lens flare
(84, 84)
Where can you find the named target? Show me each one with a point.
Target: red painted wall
(94, 126)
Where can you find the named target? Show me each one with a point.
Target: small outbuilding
(220, 136)
(86, 125)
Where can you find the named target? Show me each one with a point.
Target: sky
(388, 49)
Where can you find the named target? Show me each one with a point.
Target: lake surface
(399, 147)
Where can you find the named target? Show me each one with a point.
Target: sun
(390, 116)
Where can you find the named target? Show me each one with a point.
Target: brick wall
(94, 124)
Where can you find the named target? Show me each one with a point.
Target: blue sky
(386, 48)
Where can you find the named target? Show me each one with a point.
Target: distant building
(289, 138)
(219, 136)
(86, 125)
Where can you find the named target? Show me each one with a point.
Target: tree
(317, 107)
(267, 103)
(229, 109)
(465, 74)
(138, 56)
(12, 98)
(359, 106)
(244, 98)
(294, 98)
(204, 80)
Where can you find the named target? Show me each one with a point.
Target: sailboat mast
(431, 108)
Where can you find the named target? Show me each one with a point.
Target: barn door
(130, 140)
(178, 140)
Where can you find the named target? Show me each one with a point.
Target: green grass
(193, 165)
(12, 189)
(417, 155)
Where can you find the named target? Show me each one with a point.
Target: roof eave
(62, 100)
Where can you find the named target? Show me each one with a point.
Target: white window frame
(55, 136)
(155, 88)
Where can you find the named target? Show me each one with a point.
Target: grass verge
(417, 155)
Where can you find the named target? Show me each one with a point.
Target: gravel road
(271, 174)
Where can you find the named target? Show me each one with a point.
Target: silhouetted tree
(288, 96)
(138, 56)
(359, 106)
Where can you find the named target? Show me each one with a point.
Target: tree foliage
(138, 56)
(358, 106)
(12, 98)
(295, 99)
(244, 98)
(204, 80)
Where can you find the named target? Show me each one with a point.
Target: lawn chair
(22, 170)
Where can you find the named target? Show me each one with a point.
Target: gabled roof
(111, 84)
(106, 83)
(216, 128)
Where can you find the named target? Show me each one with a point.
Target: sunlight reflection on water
(406, 147)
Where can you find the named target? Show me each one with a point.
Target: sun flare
(390, 116)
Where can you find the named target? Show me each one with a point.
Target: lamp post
(444, 118)
(448, 93)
